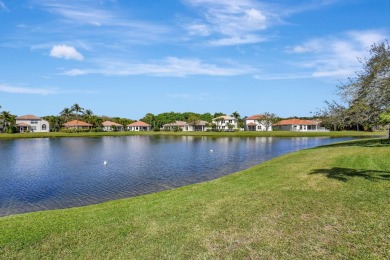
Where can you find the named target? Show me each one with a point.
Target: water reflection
(38, 174)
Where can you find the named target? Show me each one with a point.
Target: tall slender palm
(87, 115)
(66, 113)
(77, 110)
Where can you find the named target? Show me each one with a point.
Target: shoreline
(198, 134)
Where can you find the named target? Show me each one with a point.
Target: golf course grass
(329, 202)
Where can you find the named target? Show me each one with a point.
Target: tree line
(365, 97)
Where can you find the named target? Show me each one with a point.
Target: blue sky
(129, 58)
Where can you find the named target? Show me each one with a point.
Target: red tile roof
(28, 117)
(254, 117)
(110, 123)
(297, 122)
(138, 123)
(22, 124)
(76, 123)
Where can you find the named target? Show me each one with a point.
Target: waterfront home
(299, 125)
(225, 123)
(178, 126)
(257, 123)
(201, 126)
(31, 123)
(112, 126)
(139, 126)
(77, 124)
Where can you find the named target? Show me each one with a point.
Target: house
(112, 126)
(299, 125)
(139, 126)
(77, 124)
(32, 123)
(257, 123)
(201, 126)
(178, 126)
(225, 123)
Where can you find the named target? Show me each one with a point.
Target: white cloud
(169, 67)
(335, 56)
(66, 52)
(230, 22)
(20, 90)
(3, 6)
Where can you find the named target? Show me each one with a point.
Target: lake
(41, 174)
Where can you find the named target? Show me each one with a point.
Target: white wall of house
(36, 125)
(139, 128)
(259, 125)
(223, 123)
(112, 128)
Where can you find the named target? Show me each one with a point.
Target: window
(34, 122)
(43, 127)
(34, 128)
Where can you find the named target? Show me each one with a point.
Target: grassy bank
(322, 203)
(211, 134)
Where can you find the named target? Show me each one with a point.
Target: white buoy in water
(105, 163)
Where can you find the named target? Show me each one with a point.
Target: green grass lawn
(212, 134)
(329, 202)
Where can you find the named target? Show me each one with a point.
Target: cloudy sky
(128, 58)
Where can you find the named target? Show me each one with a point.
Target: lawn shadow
(377, 142)
(343, 174)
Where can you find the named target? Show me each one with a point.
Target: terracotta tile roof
(139, 123)
(224, 117)
(110, 123)
(254, 117)
(76, 123)
(28, 117)
(297, 122)
(177, 123)
(202, 123)
(22, 124)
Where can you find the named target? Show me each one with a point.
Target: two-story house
(225, 123)
(32, 123)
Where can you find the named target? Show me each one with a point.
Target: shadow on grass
(378, 142)
(343, 174)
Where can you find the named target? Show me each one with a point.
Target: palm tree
(66, 113)
(236, 115)
(87, 115)
(8, 118)
(78, 110)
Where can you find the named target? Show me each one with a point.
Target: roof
(110, 123)
(76, 123)
(28, 117)
(22, 124)
(254, 117)
(225, 117)
(201, 122)
(297, 122)
(177, 123)
(138, 123)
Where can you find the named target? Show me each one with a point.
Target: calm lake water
(41, 174)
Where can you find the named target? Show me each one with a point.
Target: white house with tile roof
(183, 126)
(256, 123)
(110, 126)
(139, 126)
(299, 125)
(223, 123)
(32, 123)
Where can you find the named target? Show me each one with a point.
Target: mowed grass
(210, 134)
(330, 202)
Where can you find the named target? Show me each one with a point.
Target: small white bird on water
(105, 163)
(211, 150)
